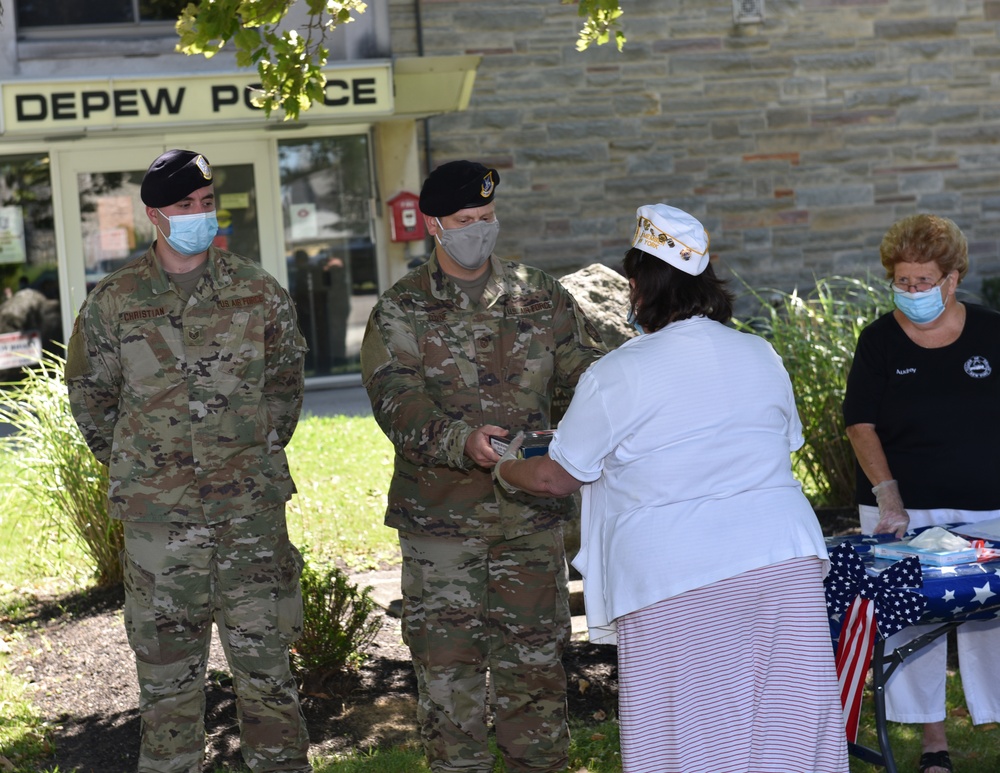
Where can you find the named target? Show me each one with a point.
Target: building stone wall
(797, 141)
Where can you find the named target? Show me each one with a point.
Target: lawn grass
(342, 467)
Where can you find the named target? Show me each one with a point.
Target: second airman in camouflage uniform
(461, 348)
(185, 374)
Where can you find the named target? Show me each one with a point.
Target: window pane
(236, 208)
(62, 13)
(29, 276)
(113, 220)
(326, 194)
(161, 10)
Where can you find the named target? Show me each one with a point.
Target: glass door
(326, 205)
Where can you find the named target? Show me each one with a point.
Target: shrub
(990, 290)
(57, 469)
(338, 623)
(816, 335)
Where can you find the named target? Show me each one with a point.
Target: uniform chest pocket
(232, 353)
(151, 357)
(449, 360)
(532, 360)
(237, 349)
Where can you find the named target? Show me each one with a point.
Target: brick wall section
(797, 141)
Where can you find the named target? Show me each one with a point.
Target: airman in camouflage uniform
(461, 348)
(185, 374)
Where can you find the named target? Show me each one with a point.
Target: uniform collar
(218, 270)
(444, 289)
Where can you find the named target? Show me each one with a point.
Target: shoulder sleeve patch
(77, 364)
(374, 353)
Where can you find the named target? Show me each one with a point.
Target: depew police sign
(119, 103)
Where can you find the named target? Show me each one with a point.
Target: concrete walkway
(347, 398)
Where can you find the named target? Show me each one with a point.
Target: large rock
(603, 295)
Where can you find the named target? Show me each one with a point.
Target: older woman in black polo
(923, 415)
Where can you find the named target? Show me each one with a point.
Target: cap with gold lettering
(173, 176)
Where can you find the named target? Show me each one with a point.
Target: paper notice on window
(304, 221)
(989, 530)
(18, 350)
(12, 248)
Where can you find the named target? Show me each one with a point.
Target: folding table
(952, 594)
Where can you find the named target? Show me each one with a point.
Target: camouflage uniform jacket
(437, 366)
(190, 404)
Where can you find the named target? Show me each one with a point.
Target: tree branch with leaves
(602, 20)
(290, 62)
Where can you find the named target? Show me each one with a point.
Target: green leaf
(602, 17)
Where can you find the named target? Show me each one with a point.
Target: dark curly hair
(663, 294)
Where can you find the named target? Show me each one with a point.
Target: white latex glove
(509, 455)
(893, 518)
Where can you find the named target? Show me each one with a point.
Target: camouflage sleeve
(284, 366)
(578, 343)
(392, 371)
(93, 378)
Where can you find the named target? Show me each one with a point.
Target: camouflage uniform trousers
(244, 573)
(475, 604)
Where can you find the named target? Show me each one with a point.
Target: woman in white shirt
(700, 555)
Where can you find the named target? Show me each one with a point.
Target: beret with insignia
(173, 176)
(458, 185)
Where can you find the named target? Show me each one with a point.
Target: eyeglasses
(918, 287)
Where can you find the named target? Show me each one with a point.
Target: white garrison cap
(673, 236)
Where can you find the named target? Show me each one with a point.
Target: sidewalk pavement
(347, 398)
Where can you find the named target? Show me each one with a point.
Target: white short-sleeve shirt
(684, 438)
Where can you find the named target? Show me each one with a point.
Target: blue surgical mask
(191, 234)
(920, 308)
(634, 322)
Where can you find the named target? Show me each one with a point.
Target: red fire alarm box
(407, 223)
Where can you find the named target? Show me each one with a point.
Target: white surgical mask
(469, 246)
(191, 234)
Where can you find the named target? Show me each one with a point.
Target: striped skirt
(734, 677)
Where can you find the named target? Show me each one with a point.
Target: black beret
(174, 176)
(458, 185)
